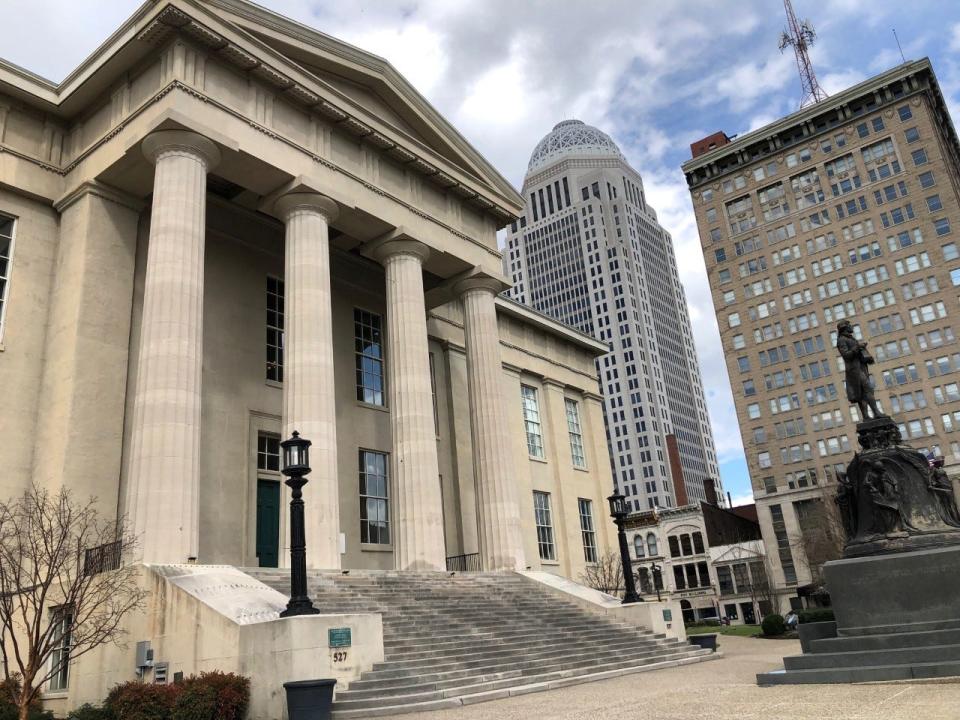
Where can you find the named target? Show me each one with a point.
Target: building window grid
(268, 452)
(587, 531)
(374, 498)
(62, 621)
(6, 255)
(531, 421)
(544, 524)
(576, 433)
(368, 350)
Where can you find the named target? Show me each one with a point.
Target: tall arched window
(652, 544)
(638, 546)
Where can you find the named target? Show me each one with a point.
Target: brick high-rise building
(845, 209)
(589, 251)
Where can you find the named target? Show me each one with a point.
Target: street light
(618, 511)
(296, 466)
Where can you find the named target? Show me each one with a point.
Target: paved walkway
(723, 689)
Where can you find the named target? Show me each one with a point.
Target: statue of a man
(856, 359)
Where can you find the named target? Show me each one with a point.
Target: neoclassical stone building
(225, 226)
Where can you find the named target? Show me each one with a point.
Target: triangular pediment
(370, 83)
(740, 552)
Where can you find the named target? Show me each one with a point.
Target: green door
(268, 522)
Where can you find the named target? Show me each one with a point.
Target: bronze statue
(856, 358)
(939, 484)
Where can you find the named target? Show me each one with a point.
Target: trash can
(707, 642)
(309, 699)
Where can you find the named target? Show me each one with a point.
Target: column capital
(480, 281)
(400, 246)
(287, 204)
(162, 141)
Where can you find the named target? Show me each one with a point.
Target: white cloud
(745, 499)
(655, 75)
(955, 38)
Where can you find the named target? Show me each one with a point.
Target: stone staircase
(873, 658)
(453, 640)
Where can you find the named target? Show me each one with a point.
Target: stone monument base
(898, 618)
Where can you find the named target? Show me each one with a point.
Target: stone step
(529, 686)
(523, 649)
(398, 642)
(347, 701)
(872, 673)
(410, 652)
(522, 663)
(478, 642)
(886, 641)
(866, 658)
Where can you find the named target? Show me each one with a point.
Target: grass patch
(738, 630)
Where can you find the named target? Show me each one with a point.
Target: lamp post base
(631, 598)
(299, 606)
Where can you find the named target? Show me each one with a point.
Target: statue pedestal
(896, 593)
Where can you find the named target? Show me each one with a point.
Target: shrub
(8, 710)
(90, 712)
(141, 701)
(812, 615)
(773, 625)
(213, 696)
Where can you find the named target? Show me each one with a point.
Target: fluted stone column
(501, 540)
(309, 404)
(418, 512)
(164, 470)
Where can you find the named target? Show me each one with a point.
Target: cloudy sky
(655, 75)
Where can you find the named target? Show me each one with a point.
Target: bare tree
(606, 575)
(822, 536)
(62, 592)
(760, 588)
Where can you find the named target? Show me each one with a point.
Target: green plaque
(339, 637)
(667, 617)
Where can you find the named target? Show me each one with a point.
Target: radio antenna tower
(800, 36)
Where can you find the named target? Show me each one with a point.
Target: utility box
(144, 655)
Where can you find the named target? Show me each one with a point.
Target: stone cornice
(106, 192)
(310, 92)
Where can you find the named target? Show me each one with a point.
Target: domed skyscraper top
(572, 137)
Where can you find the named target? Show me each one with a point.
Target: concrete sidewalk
(721, 690)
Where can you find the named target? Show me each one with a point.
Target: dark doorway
(268, 522)
(749, 617)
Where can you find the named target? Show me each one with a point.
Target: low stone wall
(218, 618)
(665, 617)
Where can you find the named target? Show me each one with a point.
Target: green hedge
(773, 625)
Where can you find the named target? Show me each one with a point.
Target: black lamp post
(296, 466)
(657, 578)
(618, 511)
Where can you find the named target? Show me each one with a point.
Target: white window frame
(277, 327)
(531, 421)
(577, 455)
(587, 530)
(62, 619)
(384, 498)
(5, 279)
(543, 520)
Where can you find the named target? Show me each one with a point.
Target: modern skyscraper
(589, 251)
(844, 209)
